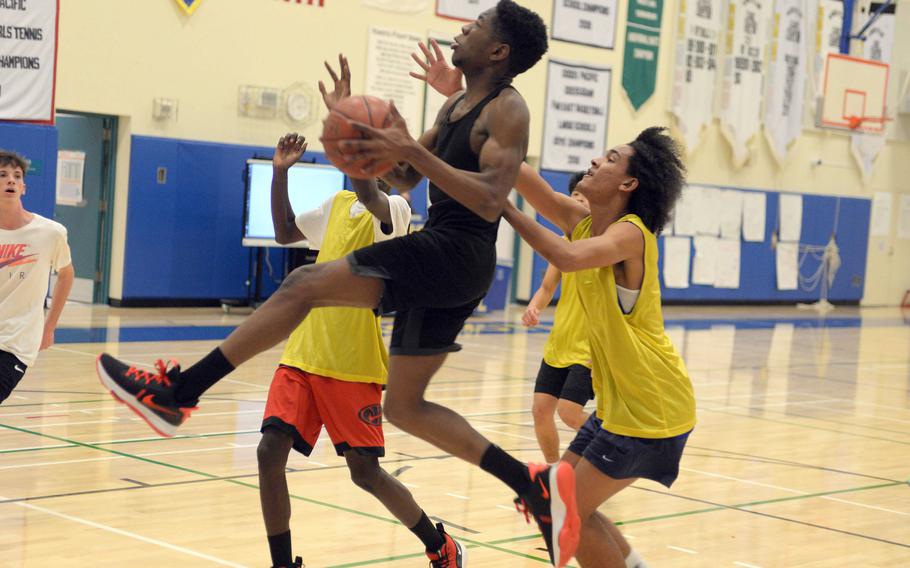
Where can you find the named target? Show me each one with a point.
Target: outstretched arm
(482, 192)
(559, 209)
(290, 148)
(619, 242)
(437, 73)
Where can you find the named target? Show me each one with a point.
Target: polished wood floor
(801, 456)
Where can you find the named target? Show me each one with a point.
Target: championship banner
(743, 64)
(28, 60)
(575, 119)
(592, 22)
(639, 64)
(786, 81)
(189, 6)
(827, 38)
(879, 42)
(878, 46)
(695, 69)
(466, 10)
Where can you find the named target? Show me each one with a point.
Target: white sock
(633, 560)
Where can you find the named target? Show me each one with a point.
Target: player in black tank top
(434, 278)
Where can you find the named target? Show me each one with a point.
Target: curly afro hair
(524, 32)
(661, 174)
(573, 181)
(13, 159)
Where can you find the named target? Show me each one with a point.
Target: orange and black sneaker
(450, 555)
(551, 501)
(149, 394)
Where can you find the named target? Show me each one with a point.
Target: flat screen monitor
(309, 185)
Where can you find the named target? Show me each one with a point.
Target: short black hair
(573, 181)
(657, 164)
(524, 32)
(8, 158)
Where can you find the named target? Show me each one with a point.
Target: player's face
(607, 174)
(12, 182)
(473, 44)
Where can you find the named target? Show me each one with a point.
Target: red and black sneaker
(551, 501)
(149, 394)
(450, 555)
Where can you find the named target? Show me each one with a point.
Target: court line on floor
(248, 485)
(127, 534)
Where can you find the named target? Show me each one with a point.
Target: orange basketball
(336, 127)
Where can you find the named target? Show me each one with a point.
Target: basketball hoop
(854, 122)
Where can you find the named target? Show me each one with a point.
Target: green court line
(798, 425)
(249, 485)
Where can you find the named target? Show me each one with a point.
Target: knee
(300, 281)
(400, 412)
(365, 476)
(571, 415)
(272, 452)
(541, 412)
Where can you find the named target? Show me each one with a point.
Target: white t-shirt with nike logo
(27, 256)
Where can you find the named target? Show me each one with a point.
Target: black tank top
(453, 146)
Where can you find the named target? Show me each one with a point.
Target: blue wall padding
(183, 237)
(758, 276)
(38, 143)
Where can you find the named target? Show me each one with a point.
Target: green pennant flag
(639, 66)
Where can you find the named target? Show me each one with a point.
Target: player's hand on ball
(389, 144)
(436, 71)
(531, 317)
(341, 85)
(289, 149)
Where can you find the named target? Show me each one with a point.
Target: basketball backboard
(854, 94)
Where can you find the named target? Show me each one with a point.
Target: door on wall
(86, 140)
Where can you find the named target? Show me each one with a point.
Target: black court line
(453, 525)
(743, 509)
(401, 470)
(219, 478)
(764, 459)
(140, 483)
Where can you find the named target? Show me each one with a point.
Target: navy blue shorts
(622, 457)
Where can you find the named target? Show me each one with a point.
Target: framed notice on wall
(575, 119)
(592, 22)
(28, 59)
(466, 10)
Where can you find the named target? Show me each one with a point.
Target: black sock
(508, 469)
(280, 548)
(202, 376)
(428, 534)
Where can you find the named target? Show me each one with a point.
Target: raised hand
(379, 145)
(437, 73)
(289, 149)
(342, 85)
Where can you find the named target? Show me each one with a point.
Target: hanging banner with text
(879, 42)
(388, 63)
(695, 69)
(588, 22)
(639, 64)
(830, 16)
(743, 73)
(575, 120)
(467, 10)
(28, 59)
(786, 80)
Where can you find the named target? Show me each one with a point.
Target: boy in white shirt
(30, 247)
